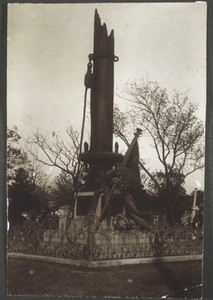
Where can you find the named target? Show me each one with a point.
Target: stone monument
(110, 176)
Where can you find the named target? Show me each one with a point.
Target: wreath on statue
(121, 223)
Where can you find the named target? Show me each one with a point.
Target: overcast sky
(48, 47)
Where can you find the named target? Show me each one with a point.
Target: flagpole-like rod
(194, 205)
(131, 146)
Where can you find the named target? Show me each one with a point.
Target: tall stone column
(100, 156)
(103, 88)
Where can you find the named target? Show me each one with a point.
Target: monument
(110, 177)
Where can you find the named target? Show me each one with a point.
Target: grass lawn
(28, 277)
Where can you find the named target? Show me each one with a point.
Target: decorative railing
(153, 243)
(33, 238)
(104, 244)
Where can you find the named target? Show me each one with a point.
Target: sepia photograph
(106, 106)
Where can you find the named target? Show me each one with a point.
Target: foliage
(175, 194)
(26, 181)
(16, 156)
(21, 195)
(62, 189)
(174, 186)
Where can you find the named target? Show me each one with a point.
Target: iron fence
(104, 244)
(33, 238)
(153, 243)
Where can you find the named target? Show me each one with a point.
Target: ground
(28, 277)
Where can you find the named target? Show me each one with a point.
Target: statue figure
(119, 184)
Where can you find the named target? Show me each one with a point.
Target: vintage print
(105, 149)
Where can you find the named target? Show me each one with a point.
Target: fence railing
(104, 244)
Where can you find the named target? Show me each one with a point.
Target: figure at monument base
(113, 202)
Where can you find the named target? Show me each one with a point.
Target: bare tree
(121, 125)
(176, 132)
(38, 175)
(53, 151)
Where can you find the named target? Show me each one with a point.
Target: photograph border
(208, 211)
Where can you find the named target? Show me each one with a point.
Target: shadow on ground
(189, 288)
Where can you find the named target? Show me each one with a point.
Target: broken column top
(102, 41)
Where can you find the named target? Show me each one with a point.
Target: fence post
(91, 235)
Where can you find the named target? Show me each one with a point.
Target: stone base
(107, 263)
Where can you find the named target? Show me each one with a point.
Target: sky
(48, 47)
